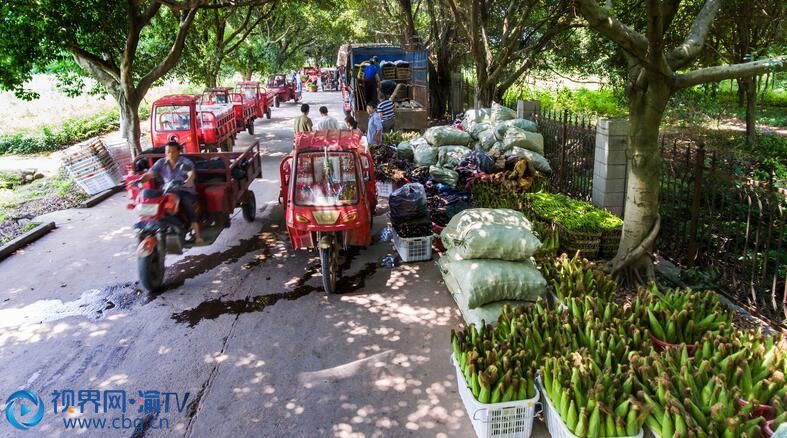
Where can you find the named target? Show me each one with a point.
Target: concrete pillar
(609, 169)
(529, 109)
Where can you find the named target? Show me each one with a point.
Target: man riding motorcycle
(175, 167)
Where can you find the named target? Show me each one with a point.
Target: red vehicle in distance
(244, 110)
(261, 100)
(283, 88)
(198, 127)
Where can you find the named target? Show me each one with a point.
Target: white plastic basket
(510, 420)
(384, 189)
(413, 249)
(557, 428)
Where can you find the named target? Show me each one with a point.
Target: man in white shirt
(326, 122)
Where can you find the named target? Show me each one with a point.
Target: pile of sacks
(499, 133)
(488, 259)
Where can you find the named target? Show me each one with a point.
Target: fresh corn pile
(680, 316)
(688, 398)
(575, 277)
(757, 370)
(593, 401)
(492, 370)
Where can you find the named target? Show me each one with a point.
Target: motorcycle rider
(176, 167)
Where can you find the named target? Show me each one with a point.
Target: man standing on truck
(303, 123)
(386, 110)
(371, 81)
(174, 167)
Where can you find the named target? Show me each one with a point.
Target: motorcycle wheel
(329, 262)
(268, 113)
(151, 270)
(276, 101)
(249, 208)
(250, 128)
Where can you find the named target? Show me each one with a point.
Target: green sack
(425, 155)
(446, 135)
(487, 281)
(500, 113)
(486, 140)
(499, 149)
(450, 156)
(496, 241)
(539, 162)
(405, 151)
(523, 124)
(473, 117)
(516, 137)
(478, 128)
(478, 218)
(448, 177)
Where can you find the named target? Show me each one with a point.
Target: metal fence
(569, 146)
(729, 226)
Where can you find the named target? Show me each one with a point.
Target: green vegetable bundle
(591, 401)
(493, 371)
(687, 398)
(578, 216)
(681, 315)
(760, 363)
(575, 277)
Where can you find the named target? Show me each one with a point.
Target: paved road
(243, 326)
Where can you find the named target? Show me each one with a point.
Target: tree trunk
(129, 112)
(750, 90)
(485, 91)
(646, 108)
(212, 79)
(247, 74)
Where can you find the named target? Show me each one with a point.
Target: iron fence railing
(569, 146)
(727, 225)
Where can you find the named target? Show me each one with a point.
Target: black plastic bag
(408, 203)
(478, 160)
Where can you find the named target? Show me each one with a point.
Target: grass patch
(71, 132)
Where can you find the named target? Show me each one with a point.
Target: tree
(655, 72)
(217, 35)
(746, 31)
(505, 37)
(112, 41)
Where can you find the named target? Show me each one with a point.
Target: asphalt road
(243, 326)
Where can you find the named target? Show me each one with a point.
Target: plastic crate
(413, 249)
(555, 425)
(510, 419)
(99, 182)
(120, 154)
(384, 189)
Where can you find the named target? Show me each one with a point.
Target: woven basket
(610, 240)
(403, 73)
(586, 243)
(389, 72)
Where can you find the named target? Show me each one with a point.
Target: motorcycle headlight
(147, 210)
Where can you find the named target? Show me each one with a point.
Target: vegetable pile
(574, 215)
(601, 373)
(678, 316)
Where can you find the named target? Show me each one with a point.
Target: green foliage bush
(595, 103)
(73, 131)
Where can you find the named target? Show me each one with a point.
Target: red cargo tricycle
(329, 194)
(223, 180)
(284, 89)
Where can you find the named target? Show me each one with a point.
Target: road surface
(243, 327)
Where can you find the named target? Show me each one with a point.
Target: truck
(261, 100)
(244, 110)
(408, 68)
(197, 127)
